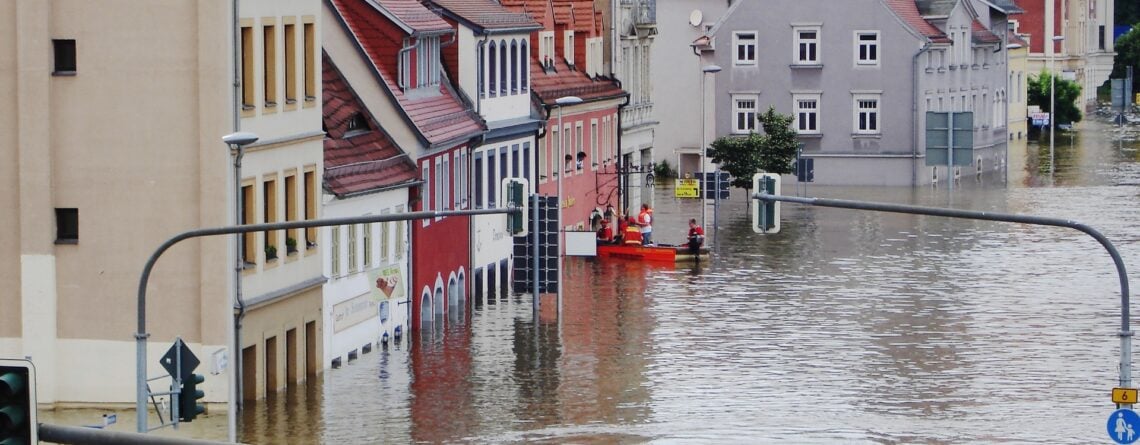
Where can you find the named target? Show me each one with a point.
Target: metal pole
(1125, 333)
(561, 171)
(950, 153)
(704, 155)
(233, 405)
(94, 436)
(535, 263)
(141, 335)
(1052, 100)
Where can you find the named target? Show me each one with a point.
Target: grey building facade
(859, 75)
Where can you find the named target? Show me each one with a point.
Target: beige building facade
(110, 144)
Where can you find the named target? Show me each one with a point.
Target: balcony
(636, 115)
(643, 14)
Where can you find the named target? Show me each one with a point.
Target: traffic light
(766, 214)
(514, 193)
(18, 424)
(188, 397)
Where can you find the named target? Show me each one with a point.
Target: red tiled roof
(539, 10)
(412, 14)
(487, 14)
(907, 11)
(982, 35)
(578, 14)
(362, 162)
(438, 117)
(567, 82)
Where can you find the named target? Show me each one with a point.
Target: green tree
(1128, 55)
(772, 152)
(1066, 95)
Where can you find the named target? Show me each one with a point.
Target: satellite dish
(695, 17)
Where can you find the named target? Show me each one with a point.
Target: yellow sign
(1124, 395)
(687, 188)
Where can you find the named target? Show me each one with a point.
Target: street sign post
(949, 140)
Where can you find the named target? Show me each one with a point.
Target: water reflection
(846, 327)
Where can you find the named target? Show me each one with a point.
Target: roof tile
(907, 11)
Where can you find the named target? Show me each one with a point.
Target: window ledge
(270, 104)
(290, 101)
(310, 98)
(952, 67)
(806, 66)
(942, 70)
(64, 73)
(866, 136)
(247, 107)
(930, 70)
(810, 135)
(67, 241)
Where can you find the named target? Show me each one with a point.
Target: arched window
(515, 67)
(480, 63)
(425, 310)
(492, 62)
(503, 67)
(524, 66)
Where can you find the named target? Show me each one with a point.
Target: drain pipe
(914, 113)
(401, 77)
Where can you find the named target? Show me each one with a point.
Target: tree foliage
(1066, 95)
(1128, 54)
(771, 152)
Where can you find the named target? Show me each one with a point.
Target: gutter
(914, 112)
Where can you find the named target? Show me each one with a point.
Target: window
(744, 113)
(492, 62)
(555, 147)
(745, 44)
(310, 207)
(419, 68)
(806, 113)
(503, 68)
(291, 212)
(310, 62)
(269, 47)
(867, 48)
(479, 180)
(457, 174)
(515, 161)
(440, 183)
(526, 159)
(502, 167)
(385, 243)
(247, 96)
(867, 114)
(399, 239)
(334, 267)
(524, 66)
(445, 191)
(269, 215)
(351, 246)
(579, 153)
(806, 46)
(290, 62)
(66, 226)
(568, 47)
(514, 67)
(64, 50)
(594, 144)
(480, 63)
(425, 189)
(491, 179)
(366, 239)
(567, 146)
(249, 242)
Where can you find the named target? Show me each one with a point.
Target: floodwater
(846, 327)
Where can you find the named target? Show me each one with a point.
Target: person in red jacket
(632, 233)
(696, 236)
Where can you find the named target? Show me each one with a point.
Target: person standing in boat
(632, 233)
(696, 236)
(645, 221)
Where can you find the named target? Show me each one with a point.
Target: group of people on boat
(639, 231)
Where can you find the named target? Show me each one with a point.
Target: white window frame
(858, 100)
(334, 251)
(568, 46)
(385, 241)
(873, 44)
(798, 111)
(737, 111)
(439, 186)
(594, 149)
(814, 43)
(737, 44)
(426, 191)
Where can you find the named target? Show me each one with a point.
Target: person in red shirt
(696, 236)
(632, 233)
(605, 233)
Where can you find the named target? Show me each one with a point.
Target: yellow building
(110, 143)
(1018, 80)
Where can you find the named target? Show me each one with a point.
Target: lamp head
(568, 100)
(240, 138)
(711, 68)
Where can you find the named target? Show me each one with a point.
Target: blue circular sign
(1124, 426)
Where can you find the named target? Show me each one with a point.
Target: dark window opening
(66, 226)
(357, 124)
(64, 56)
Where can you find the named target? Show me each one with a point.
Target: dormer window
(568, 48)
(546, 49)
(357, 124)
(419, 66)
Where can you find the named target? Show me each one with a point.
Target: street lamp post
(236, 142)
(705, 70)
(1052, 96)
(561, 171)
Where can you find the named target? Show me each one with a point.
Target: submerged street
(847, 326)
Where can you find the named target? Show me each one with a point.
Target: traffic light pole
(141, 335)
(1125, 332)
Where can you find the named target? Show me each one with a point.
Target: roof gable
(908, 12)
(487, 15)
(411, 16)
